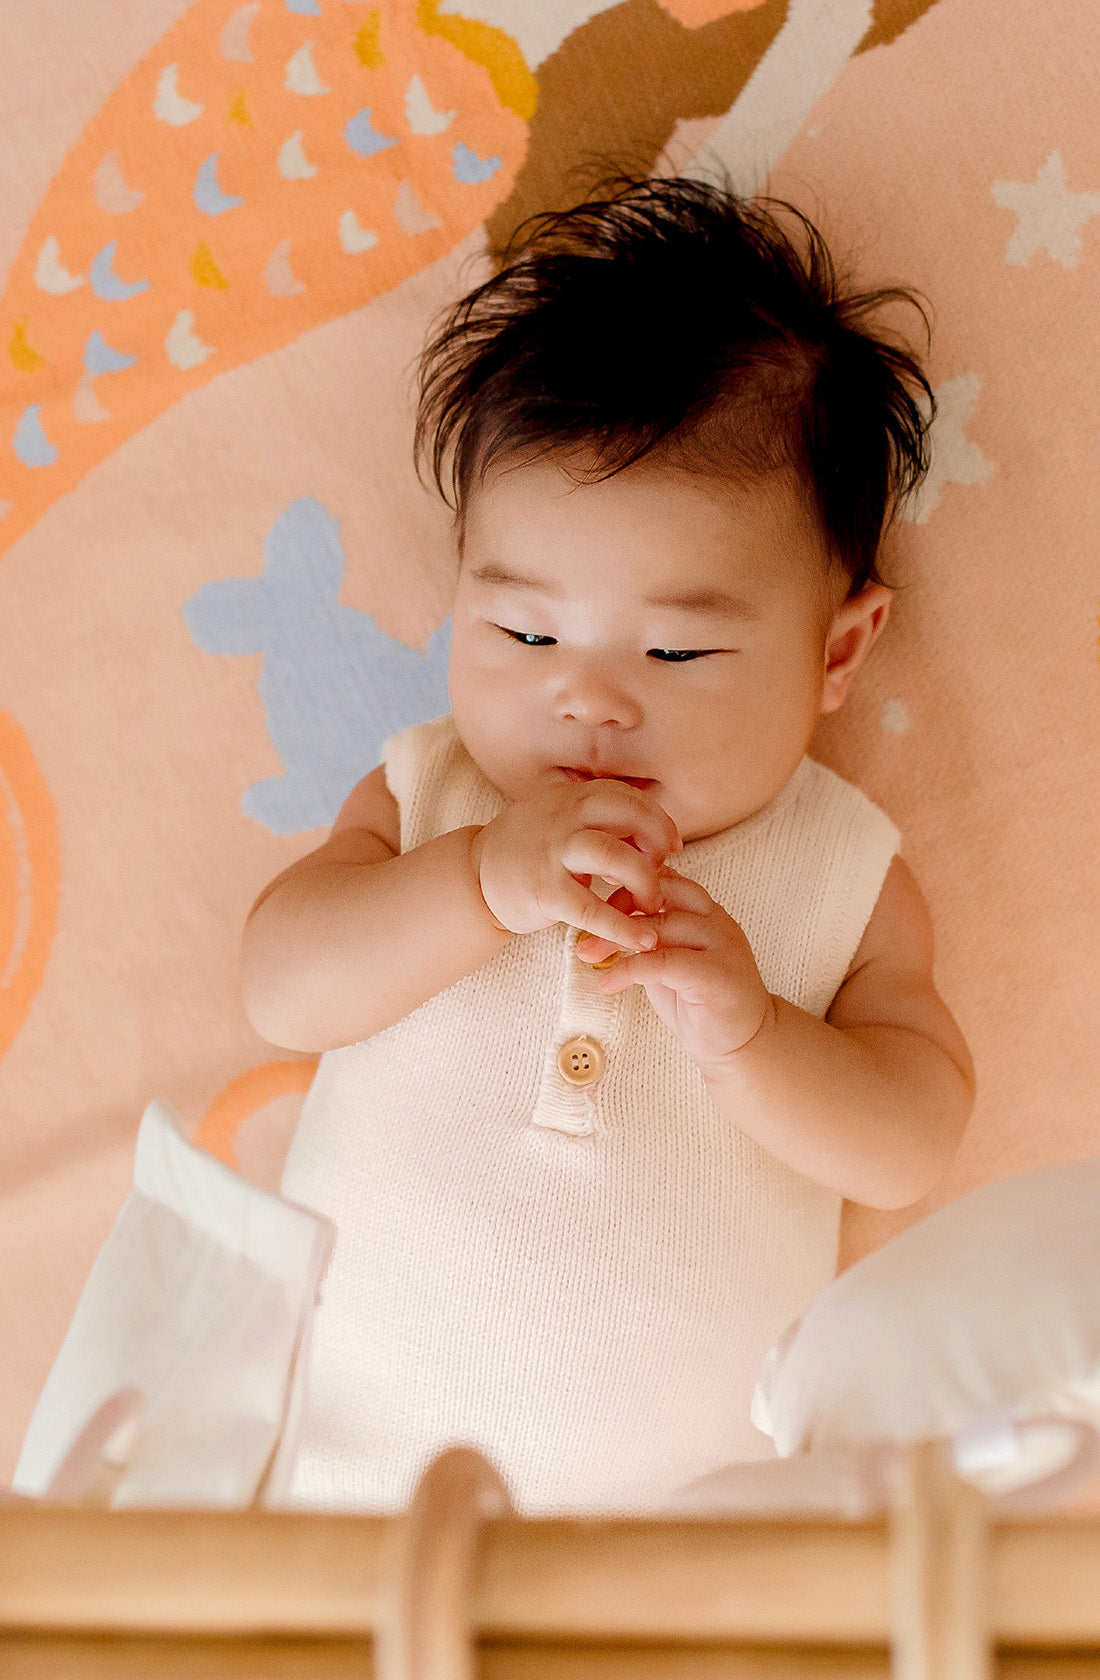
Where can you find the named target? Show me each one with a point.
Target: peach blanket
(226, 228)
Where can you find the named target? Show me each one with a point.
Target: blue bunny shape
(333, 685)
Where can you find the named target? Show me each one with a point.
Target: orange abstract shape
(24, 357)
(693, 14)
(485, 44)
(169, 208)
(30, 878)
(243, 1096)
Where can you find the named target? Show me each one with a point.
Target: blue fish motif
(209, 197)
(106, 284)
(30, 442)
(99, 357)
(469, 168)
(363, 137)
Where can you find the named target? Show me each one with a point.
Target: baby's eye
(679, 654)
(527, 638)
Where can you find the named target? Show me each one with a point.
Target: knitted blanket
(227, 226)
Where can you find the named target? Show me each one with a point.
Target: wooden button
(581, 1061)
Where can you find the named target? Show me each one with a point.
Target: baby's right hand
(536, 861)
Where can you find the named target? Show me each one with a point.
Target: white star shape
(955, 459)
(1050, 216)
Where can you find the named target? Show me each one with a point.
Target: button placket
(580, 1048)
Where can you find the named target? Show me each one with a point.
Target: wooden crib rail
(933, 1593)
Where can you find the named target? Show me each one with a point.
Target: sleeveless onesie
(583, 1282)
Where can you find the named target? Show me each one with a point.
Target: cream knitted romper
(582, 1281)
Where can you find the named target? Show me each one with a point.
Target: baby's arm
(872, 1100)
(878, 1094)
(358, 934)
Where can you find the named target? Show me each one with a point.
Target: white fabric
(201, 1299)
(581, 1283)
(1023, 1466)
(990, 1305)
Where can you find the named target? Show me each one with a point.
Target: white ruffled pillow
(989, 1306)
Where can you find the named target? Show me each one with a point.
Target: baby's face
(568, 655)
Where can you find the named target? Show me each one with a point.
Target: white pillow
(989, 1306)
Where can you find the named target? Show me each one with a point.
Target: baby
(619, 992)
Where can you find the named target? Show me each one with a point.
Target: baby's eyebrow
(691, 600)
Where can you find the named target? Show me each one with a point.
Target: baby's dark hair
(669, 317)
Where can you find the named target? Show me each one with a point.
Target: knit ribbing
(581, 1281)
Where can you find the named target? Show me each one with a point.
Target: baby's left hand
(702, 979)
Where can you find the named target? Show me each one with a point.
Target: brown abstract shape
(891, 19)
(612, 94)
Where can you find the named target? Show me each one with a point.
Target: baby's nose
(593, 697)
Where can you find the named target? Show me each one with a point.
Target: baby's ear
(856, 626)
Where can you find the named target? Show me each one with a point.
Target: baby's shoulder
(371, 807)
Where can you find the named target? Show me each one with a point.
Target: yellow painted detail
(238, 111)
(485, 44)
(367, 50)
(205, 271)
(26, 359)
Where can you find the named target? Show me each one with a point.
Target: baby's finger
(633, 815)
(684, 930)
(590, 914)
(592, 851)
(600, 951)
(680, 892)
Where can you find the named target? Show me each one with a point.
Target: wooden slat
(49, 1657)
(679, 1662)
(677, 1580)
(138, 1658)
(213, 1572)
(46, 1657)
(1046, 1582)
(939, 1565)
(229, 1573)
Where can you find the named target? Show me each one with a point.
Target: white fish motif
(233, 44)
(185, 349)
(421, 115)
(111, 190)
(293, 163)
(354, 238)
(50, 275)
(169, 105)
(301, 73)
(410, 215)
(279, 277)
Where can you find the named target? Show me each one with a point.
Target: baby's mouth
(605, 775)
